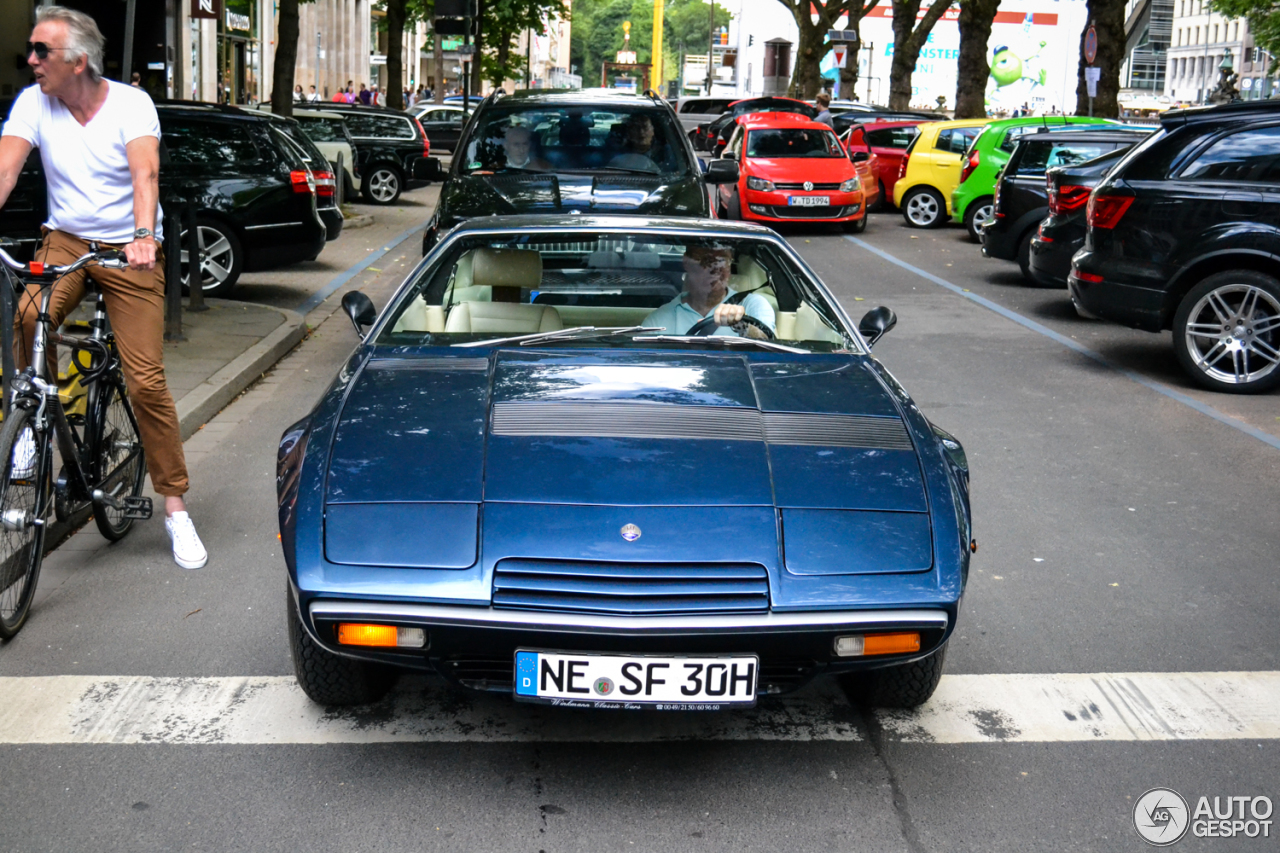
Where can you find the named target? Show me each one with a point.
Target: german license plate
(809, 200)
(674, 683)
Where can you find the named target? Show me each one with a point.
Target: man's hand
(727, 315)
(141, 253)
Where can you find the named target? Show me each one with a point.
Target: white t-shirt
(86, 168)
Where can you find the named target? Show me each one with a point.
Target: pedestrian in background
(297, 94)
(824, 111)
(313, 98)
(363, 95)
(135, 80)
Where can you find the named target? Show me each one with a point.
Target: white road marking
(965, 709)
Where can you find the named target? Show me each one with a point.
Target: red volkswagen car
(791, 169)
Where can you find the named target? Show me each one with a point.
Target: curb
(208, 398)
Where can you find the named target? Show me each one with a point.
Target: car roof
(210, 110)
(781, 120)
(587, 97)
(869, 125)
(1238, 111)
(954, 123)
(605, 222)
(1120, 133)
(346, 109)
(1047, 121)
(266, 108)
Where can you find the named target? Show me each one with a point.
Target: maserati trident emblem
(808, 185)
(630, 532)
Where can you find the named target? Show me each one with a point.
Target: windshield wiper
(574, 333)
(728, 340)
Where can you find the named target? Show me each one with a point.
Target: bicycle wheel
(116, 455)
(24, 496)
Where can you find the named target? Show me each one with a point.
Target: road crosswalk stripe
(965, 709)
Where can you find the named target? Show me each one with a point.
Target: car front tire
(329, 679)
(382, 185)
(979, 213)
(1226, 332)
(855, 226)
(906, 685)
(924, 207)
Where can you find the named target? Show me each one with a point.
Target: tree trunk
(395, 54)
(504, 54)
(478, 41)
(806, 76)
(976, 18)
(908, 38)
(1107, 17)
(286, 59)
(437, 54)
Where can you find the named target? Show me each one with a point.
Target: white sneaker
(24, 456)
(188, 550)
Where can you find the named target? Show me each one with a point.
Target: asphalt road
(1122, 530)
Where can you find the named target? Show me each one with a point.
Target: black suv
(255, 197)
(389, 146)
(1062, 231)
(560, 151)
(1184, 234)
(1022, 197)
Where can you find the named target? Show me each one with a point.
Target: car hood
(602, 192)
(637, 429)
(800, 169)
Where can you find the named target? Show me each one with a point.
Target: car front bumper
(475, 646)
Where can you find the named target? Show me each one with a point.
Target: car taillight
(303, 181)
(426, 143)
(1105, 211)
(969, 166)
(325, 183)
(902, 167)
(1067, 198)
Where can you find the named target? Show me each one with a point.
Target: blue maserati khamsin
(624, 463)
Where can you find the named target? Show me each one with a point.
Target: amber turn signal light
(862, 645)
(390, 636)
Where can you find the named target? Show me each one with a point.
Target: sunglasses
(40, 49)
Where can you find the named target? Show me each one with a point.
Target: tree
(1264, 22)
(908, 37)
(1107, 18)
(806, 77)
(503, 26)
(282, 74)
(597, 32)
(396, 14)
(976, 18)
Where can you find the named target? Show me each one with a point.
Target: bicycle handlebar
(111, 258)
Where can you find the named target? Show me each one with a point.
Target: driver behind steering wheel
(707, 295)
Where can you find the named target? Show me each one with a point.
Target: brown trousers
(135, 306)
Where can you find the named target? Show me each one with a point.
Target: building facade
(1202, 39)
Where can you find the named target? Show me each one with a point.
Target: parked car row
(1174, 228)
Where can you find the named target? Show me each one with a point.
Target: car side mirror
(860, 156)
(875, 324)
(722, 171)
(361, 311)
(729, 155)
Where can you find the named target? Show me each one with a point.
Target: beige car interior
(484, 290)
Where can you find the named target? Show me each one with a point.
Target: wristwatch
(143, 232)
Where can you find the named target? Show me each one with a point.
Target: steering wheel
(707, 325)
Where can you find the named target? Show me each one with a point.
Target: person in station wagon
(706, 294)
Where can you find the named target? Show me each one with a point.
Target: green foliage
(1264, 21)
(597, 32)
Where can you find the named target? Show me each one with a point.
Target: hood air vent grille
(721, 423)
(630, 589)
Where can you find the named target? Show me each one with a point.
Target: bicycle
(103, 463)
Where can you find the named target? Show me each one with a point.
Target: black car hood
(465, 197)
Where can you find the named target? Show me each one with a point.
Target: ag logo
(603, 686)
(808, 185)
(1160, 816)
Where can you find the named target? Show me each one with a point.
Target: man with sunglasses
(99, 141)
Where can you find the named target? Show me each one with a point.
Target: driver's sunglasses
(40, 49)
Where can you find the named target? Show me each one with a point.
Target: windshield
(793, 142)
(544, 138)
(485, 288)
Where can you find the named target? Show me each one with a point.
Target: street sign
(841, 51)
(850, 36)
(1091, 78)
(1090, 45)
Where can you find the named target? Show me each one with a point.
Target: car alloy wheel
(1227, 332)
(978, 215)
(220, 259)
(923, 208)
(382, 186)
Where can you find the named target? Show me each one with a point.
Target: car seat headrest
(506, 268)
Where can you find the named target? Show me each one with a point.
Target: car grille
(835, 211)
(783, 186)
(631, 589)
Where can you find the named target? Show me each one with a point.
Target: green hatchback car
(971, 200)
